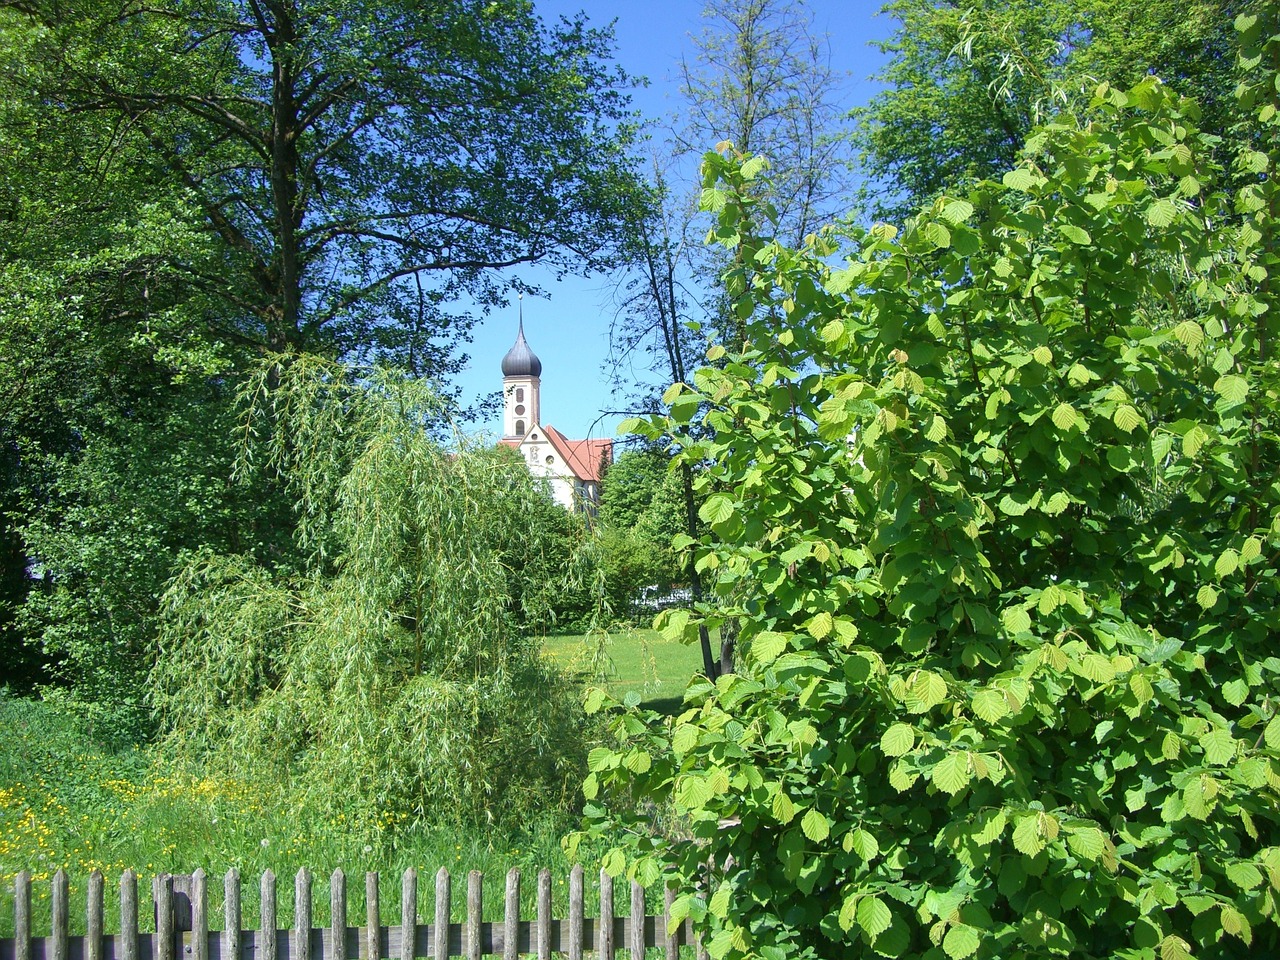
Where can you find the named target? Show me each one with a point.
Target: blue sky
(568, 330)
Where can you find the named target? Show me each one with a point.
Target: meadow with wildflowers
(69, 802)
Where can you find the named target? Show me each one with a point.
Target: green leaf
(1162, 213)
(815, 826)
(938, 235)
(767, 646)
(1235, 691)
(1015, 619)
(718, 508)
(1026, 836)
(992, 823)
(862, 843)
(685, 738)
(952, 773)
(1232, 388)
(1174, 948)
(1244, 875)
(927, 690)
(849, 911)
(833, 331)
(1271, 735)
(692, 792)
(937, 429)
(961, 941)
(820, 625)
(958, 211)
(990, 705)
(874, 916)
(1077, 235)
(1234, 923)
(1087, 843)
(783, 809)
(1127, 418)
(897, 740)
(1065, 416)
(1020, 179)
(1190, 334)
(1219, 747)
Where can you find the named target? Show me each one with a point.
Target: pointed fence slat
(635, 922)
(408, 914)
(475, 913)
(302, 915)
(22, 915)
(128, 916)
(231, 916)
(61, 917)
(604, 936)
(266, 942)
(511, 917)
(199, 918)
(576, 897)
(93, 917)
(669, 939)
(372, 929)
(440, 944)
(544, 914)
(162, 895)
(338, 915)
(510, 937)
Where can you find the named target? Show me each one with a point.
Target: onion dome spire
(520, 361)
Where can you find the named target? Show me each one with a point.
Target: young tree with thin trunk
(761, 79)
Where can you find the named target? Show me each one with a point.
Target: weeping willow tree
(384, 676)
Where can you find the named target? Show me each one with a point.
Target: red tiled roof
(586, 458)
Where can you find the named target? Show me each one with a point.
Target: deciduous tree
(966, 82)
(996, 502)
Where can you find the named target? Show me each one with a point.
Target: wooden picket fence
(183, 929)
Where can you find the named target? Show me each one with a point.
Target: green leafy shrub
(388, 680)
(997, 503)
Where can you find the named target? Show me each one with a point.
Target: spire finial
(520, 361)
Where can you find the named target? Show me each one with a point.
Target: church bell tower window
(519, 428)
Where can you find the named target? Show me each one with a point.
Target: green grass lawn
(636, 659)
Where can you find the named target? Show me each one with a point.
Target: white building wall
(520, 405)
(545, 463)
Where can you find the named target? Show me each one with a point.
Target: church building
(573, 468)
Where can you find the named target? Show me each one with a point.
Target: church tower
(521, 373)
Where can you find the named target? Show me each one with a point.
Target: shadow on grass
(667, 706)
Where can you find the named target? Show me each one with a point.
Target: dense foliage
(185, 185)
(965, 83)
(997, 504)
(642, 511)
(388, 673)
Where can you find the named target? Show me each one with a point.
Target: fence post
(171, 902)
(604, 938)
(22, 914)
(162, 905)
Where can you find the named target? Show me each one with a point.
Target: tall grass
(68, 802)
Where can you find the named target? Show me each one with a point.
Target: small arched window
(519, 428)
(519, 394)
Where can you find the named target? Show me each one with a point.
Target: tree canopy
(966, 82)
(190, 184)
(359, 164)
